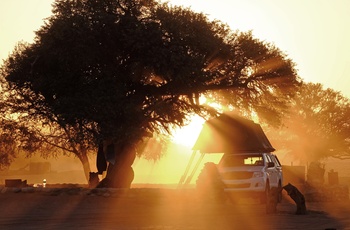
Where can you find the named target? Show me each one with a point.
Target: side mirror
(270, 164)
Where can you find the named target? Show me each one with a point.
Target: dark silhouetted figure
(209, 184)
(101, 162)
(298, 198)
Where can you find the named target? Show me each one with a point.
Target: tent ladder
(189, 164)
(189, 178)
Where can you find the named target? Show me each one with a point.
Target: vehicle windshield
(242, 160)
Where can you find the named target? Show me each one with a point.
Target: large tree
(121, 70)
(317, 126)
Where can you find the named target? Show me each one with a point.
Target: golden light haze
(315, 34)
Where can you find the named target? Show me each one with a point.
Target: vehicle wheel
(209, 185)
(264, 196)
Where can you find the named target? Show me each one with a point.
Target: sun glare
(188, 134)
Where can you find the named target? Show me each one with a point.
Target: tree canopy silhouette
(120, 70)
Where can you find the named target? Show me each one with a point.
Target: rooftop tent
(232, 134)
(227, 134)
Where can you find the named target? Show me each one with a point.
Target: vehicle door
(272, 172)
(278, 168)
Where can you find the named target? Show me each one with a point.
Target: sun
(188, 134)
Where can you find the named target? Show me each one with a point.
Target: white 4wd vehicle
(250, 173)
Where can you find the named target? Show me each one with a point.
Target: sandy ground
(155, 209)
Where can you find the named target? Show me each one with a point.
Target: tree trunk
(86, 165)
(121, 174)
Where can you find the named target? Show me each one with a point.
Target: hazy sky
(315, 34)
